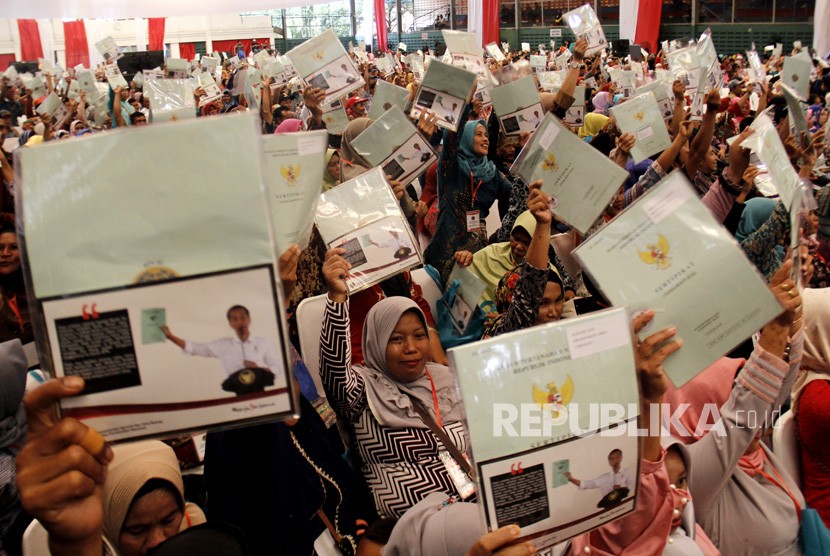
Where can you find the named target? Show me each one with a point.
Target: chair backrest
(429, 289)
(310, 313)
(35, 540)
(785, 445)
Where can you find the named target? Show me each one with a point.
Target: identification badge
(473, 220)
(463, 484)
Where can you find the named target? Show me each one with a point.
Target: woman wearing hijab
(129, 498)
(811, 402)
(331, 175)
(594, 123)
(467, 181)
(13, 520)
(289, 125)
(391, 401)
(602, 101)
(734, 479)
(531, 293)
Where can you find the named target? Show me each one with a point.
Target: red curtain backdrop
(648, 24)
(187, 50)
(5, 60)
(30, 45)
(490, 21)
(227, 46)
(77, 49)
(156, 33)
(380, 25)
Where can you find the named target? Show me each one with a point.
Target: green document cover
(518, 106)
(386, 96)
(165, 243)
(796, 73)
(394, 144)
(323, 63)
(444, 92)
(560, 468)
(535, 401)
(335, 117)
(580, 180)
(294, 166)
(642, 116)
(661, 94)
(585, 24)
(766, 143)
(363, 217)
(665, 251)
(151, 322)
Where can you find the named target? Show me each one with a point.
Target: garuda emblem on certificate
(550, 164)
(555, 396)
(290, 173)
(657, 254)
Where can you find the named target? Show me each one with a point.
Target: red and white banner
(640, 22)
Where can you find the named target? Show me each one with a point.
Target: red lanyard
(782, 485)
(434, 399)
(473, 187)
(16, 310)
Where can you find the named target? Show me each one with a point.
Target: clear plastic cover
(294, 164)
(323, 63)
(518, 106)
(170, 99)
(138, 299)
(386, 96)
(363, 217)
(444, 92)
(395, 145)
(766, 143)
(584, 23)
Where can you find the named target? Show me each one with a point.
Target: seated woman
(811, 402)
(393, 401)
(88, 495)
(15, 321)
(532, 292)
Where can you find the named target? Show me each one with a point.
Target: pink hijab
(290, 125)
(602, 102)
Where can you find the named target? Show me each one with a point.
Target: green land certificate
(323, 63)
(550, 400)
(294, 165)
(166, 244)
(444, 92)
(766, 143)
(580, 180)
(518, 106)
(666, 252)
(386, 96)
(642, 117)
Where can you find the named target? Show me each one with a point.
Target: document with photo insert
(708, 57)
(385, 65)
(575, 116)
(518, 106)
(294, 164)
(766, 143)
(538, 63)
(796, 73)
(661, 94)
(467, 296)
(444, 92)
(114, 77)
(394, 144)
(212, 90)
(36, 86)
(494, 51)
(386, 96)
(579, 179)
(642, 117)
(698, 107)
(323, 63)
(335, 117)
(363, 217)
(683, 65)
(756, 67)
(666, 252)
(465, 50)
(798, 119)
(550, 81)
(534, 404)
(108, 49)
(202, 264)
(584, 23)
(177, 68)
(170, 99)
(49, 105)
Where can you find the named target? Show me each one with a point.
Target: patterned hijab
(388, 398)
(482, 167)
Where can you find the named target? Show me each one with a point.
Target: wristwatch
(574, 65)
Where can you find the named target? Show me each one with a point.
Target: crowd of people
(366, 461)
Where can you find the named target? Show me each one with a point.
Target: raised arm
(344, 386)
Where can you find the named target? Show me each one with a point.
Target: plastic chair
(310, 313)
